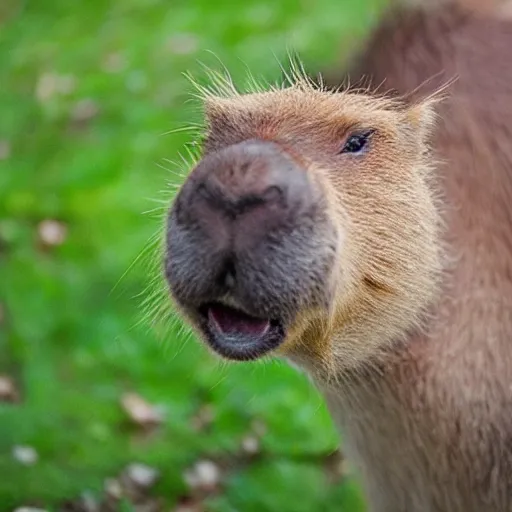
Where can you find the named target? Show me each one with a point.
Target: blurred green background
(88, 92)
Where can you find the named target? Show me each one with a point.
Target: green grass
(70, 337)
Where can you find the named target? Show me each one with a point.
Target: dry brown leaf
(141, 475)
(113, 488)
(89, 502)
(204, 476)
(52, 232)
(29, 509)
(251, 445)
(8, 390)
(52, 84)
(84, 110)
(46, 87)
(140, 412)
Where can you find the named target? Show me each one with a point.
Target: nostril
(215, 196)
(228, 277)
(230, 280)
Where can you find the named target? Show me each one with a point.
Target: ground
(88, 94)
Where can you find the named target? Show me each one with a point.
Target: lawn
(92, 97)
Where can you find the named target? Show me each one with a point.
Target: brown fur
(479, 7)
(434, 431)
(413, 349)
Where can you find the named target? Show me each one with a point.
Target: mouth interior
(232, 321)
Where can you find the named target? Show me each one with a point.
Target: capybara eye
(357, 142)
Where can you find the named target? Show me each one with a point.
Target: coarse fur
(410, 336)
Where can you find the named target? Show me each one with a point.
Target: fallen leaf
(140, 412)
(51, 84)
(25, 455)
(46, 87)
(84, 110)
(113, 488)
(89, 502)
(251, 445)
(131, 487)
(29, 509)
(52, 232)
(8, 391)
(204, 476)
(141, 475)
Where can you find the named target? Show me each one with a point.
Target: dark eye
(357, 142)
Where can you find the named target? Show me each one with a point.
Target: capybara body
(367, 238)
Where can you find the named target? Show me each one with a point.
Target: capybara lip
(235, 335)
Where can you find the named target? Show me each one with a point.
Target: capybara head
(309, 226)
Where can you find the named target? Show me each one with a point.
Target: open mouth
(235, 335)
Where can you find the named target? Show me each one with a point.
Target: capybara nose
(241, 194)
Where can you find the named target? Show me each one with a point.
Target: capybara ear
(422, 116)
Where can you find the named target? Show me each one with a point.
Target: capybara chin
(367, 237)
